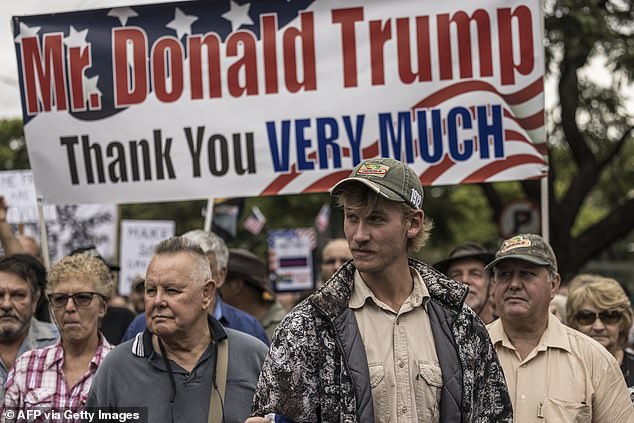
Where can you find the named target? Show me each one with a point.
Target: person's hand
(3, 209)
(257, 420)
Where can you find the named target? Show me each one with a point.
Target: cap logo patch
(416, 199)
(513, 243)
(374, 169)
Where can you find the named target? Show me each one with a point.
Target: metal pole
(545, 209)
(43, 233)
(209, 214)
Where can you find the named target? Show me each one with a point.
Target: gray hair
(210, 243)
(179, 244)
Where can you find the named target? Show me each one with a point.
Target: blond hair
(360, 197)
(84, 266)
(605, 294)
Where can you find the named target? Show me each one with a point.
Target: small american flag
(322, 220)
(255, 221)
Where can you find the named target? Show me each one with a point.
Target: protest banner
(290, 258)
(138, 239)
(218, 99)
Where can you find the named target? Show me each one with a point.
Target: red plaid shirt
(37, 380)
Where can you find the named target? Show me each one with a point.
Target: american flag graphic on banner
(255, 221)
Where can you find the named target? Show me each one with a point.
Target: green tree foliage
(13, 153)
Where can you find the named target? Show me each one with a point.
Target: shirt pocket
(427, 387)
(40, 399)
(379, 392)
(556, 410)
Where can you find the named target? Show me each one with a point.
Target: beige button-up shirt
(568, 377)
(404, 371)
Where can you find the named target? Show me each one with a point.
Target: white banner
(219, 99)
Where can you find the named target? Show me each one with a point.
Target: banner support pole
(43, 233)
(209, 212)
(545, 209)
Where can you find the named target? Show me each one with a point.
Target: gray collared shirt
(41, 334)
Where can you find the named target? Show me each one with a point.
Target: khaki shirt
(405, 375)
(568, 377)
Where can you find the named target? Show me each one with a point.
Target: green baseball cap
(528, 247)
(389, 178)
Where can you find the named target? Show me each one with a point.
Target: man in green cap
(387, 337)
(554, 373)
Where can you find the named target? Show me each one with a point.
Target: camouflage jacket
(316, 369)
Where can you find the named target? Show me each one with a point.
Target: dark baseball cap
(467, 250)
(252, 269)
(389, 178)
(528, 247)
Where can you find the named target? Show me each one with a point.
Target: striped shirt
(37, 380)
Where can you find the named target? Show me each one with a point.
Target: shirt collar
(58, 356)
(554, 336)
(361, 292)
(142, 344)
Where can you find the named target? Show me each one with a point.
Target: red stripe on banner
(510, 135)
(433, 172)
(526, 93)
(464, 87)
(542, 148)
(280, 182)
(494, 168)
(326, 182)
(532, 122)
(370, 151)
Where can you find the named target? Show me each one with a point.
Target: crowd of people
(480, 336)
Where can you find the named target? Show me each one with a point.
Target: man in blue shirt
(229, 316)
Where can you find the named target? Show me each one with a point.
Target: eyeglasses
(334, 260)
(81, 299)
(586, 317)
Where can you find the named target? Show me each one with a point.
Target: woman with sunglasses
(56, 379)
(601, 309)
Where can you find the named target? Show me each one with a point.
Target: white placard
(138, 239)
(291, 261)
(16, 186)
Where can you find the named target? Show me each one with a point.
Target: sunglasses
(608, 317)
(81, 299)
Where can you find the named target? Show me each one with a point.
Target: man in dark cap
(554, 373)
(249, 288)
(466, 264)
(387, 337)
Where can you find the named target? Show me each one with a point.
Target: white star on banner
(90, 86)
(27, 31)
(238, 15)
(76, 38)
(181, 23)
(123, 13)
